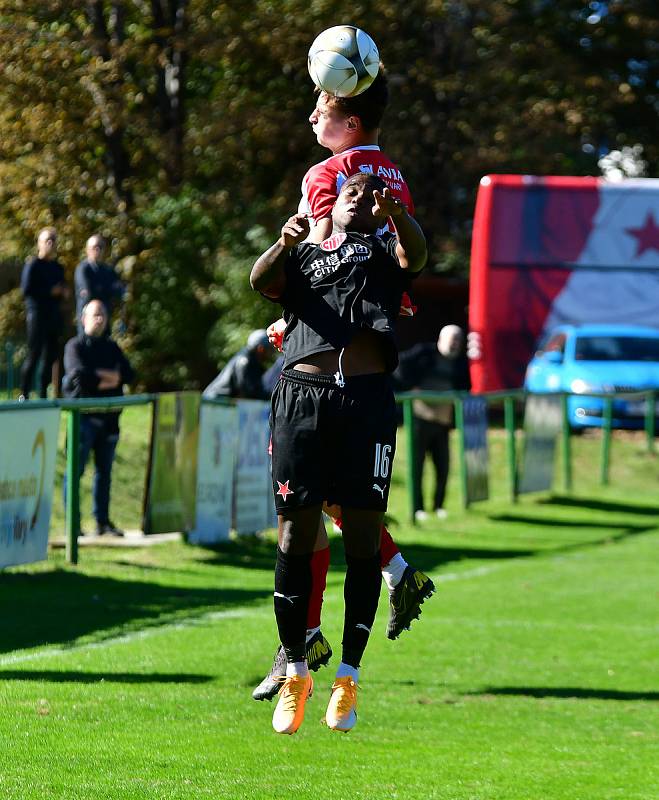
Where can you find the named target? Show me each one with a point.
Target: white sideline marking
(445, 577)
(21, 656)
(555, 625)
(509, 563)
(124, 638)
(477, 572)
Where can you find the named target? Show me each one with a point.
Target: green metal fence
(507, 400)
(75, 407)
(8, 371)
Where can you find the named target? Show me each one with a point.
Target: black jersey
(349, 282)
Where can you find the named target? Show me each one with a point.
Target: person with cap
(242, 377)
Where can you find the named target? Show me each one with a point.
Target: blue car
(598, 358)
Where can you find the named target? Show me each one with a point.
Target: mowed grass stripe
(531, 674)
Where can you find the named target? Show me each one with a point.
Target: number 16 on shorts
(381, 469)
(382, 460)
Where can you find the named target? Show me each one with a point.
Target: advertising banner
(475, 448)
(27, 477)
(216, 460)
(172, 479)
(542, 424)
(254, 507)
(555, 250)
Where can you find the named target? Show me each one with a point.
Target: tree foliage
(178, 128)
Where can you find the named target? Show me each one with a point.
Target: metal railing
(75, 407)
(7, 369)
(507, 399)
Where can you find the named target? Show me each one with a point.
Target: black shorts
(332, 443)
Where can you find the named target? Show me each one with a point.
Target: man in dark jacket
(439, 367)
(243, 375)
(42, 282)
(96, 367)
(95, 280)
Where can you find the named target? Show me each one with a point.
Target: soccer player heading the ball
(349, 127)
(341, 299)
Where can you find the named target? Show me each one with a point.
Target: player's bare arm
(268, 275)
(411, 248)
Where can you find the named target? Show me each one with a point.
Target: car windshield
(616, 348)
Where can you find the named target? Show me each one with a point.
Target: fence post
(606, 440)
(509, 421)
(408, 419)
(9, 353)
(567, 445)
(72, 486)
(650, 411)
(458, 403)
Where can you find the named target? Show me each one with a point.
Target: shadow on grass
(567, 692)
(601, 505)
(60, 606)
(528, 519)
(255, 553)
(249, 552)
(71, 676)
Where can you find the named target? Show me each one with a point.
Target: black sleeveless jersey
(349, 282)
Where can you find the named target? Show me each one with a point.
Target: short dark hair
(368, 177)
(369, 106)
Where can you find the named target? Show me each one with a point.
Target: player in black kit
(341, 299)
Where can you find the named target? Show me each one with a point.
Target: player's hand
(386, 205)
(294, 231)
(275, 332)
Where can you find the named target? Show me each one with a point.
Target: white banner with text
(216, 458)
(28, 445)
(254, 507)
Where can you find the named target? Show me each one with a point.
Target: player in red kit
(349, 127)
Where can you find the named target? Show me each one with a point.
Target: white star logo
(284, 491)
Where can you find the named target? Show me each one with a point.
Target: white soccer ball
(343, 61)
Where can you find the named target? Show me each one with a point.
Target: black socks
(292, 592)
(362, 593)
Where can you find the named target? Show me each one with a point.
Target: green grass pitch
(531, 675)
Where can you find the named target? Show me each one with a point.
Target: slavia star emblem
(647, 237)
(284, 491)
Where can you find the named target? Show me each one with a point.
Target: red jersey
(323, 181)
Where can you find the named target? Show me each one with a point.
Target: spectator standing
(44, 289)
(95, 366)
(437, 367)
(242, 377)
(95, 280)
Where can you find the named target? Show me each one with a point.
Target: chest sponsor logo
(333, 242)
(354, 252)
(351, 253)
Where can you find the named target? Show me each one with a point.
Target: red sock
(319, 566)
(388, 548)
